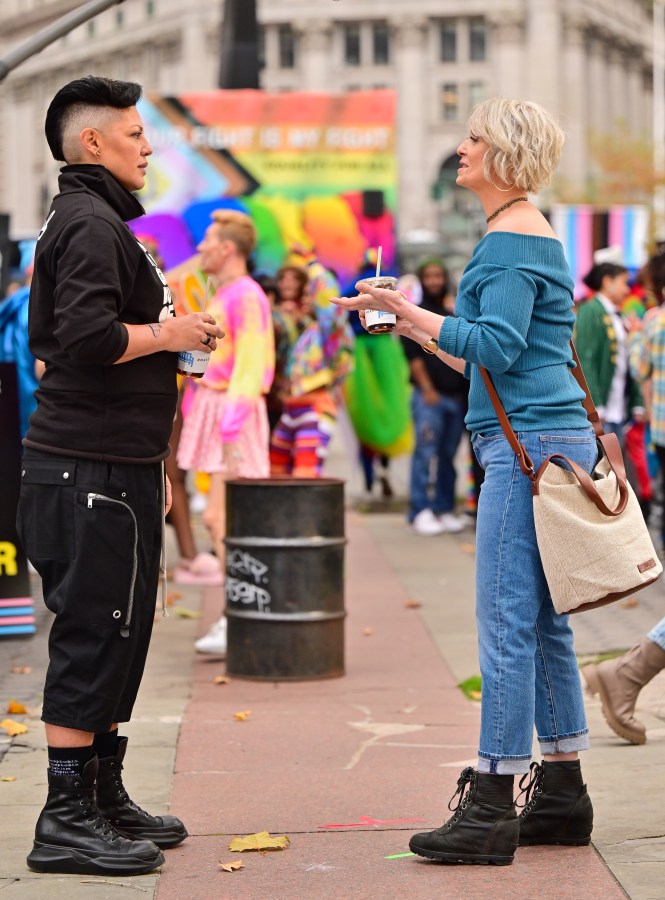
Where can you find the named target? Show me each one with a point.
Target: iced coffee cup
(376, 320)
(193, 363)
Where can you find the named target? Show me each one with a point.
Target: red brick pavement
(341, 766)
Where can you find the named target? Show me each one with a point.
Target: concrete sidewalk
(348, 768)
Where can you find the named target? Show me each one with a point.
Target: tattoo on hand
(156, 329)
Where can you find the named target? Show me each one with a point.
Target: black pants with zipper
(93, 531)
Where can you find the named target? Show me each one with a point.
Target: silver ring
(207, 340)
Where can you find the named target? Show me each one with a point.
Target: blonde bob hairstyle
(524, 142)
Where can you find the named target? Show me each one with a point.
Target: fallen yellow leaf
(230, 866)
(259, 841)
(13, 728)
(21, 670)
(221, 679)
(8, 778)
(14, 708)
(368, 632)
(474, 695)
(468, 548)
(181, 612)
(243, 716)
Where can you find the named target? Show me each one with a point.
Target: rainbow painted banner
(311, 169)
(584, 229)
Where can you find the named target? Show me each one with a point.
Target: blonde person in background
(225, 431)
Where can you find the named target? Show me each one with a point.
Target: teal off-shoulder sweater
(514, 315)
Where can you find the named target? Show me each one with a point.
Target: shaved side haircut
(85, 103)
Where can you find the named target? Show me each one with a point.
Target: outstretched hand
(370, 297)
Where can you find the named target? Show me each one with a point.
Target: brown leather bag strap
(587, 483)
(525, 461)
(587, 403)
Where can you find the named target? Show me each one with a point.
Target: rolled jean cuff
(657, 635)
(503, 766)
(565, 744)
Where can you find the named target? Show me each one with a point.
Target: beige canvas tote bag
(594, 544)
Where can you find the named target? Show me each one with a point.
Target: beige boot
(619, 681)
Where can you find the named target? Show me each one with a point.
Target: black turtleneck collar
(98, 180)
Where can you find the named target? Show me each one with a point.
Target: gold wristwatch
(431, 346)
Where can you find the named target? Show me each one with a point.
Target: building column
(507, 53)
(410, 59)
(543, 53)
(573, 112)
(314, 54)
(617, 87)
(636, 114)
(598, 88)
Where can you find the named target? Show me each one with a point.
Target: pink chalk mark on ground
(368, 820)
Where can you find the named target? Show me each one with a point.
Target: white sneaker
(450, 523)
(198, 504)
(214, 641)
(426, 524)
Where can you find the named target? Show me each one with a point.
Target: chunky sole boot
(484, 829)
(72, 837)
(128, 818)
(558, 808)
(49, 858)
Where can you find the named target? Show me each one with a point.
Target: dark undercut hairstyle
(89, 91)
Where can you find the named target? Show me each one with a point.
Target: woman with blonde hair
(514, 316)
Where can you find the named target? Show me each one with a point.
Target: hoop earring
(502, 190)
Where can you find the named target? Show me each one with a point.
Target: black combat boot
(557, 806)
(73, 837)
(484, 828)
(124, 814)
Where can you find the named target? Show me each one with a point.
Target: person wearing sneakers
(93, 491)
(438, 405)
(513, 316)
(618, 683)
(226, 430)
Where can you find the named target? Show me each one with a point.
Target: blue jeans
(527, 661)
(657, 634)
(438, 429)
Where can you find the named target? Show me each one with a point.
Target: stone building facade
(588, 61)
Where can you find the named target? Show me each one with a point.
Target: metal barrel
(285, 578)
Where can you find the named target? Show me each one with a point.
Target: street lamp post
(52, 32)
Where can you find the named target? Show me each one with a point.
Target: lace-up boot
(484, 827)
(124, 814)
(558, 808)
(73, 837)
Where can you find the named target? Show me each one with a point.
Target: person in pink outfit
(225, 430)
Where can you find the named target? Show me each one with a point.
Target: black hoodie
(90, 275)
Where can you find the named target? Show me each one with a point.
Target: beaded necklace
(505, 206)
